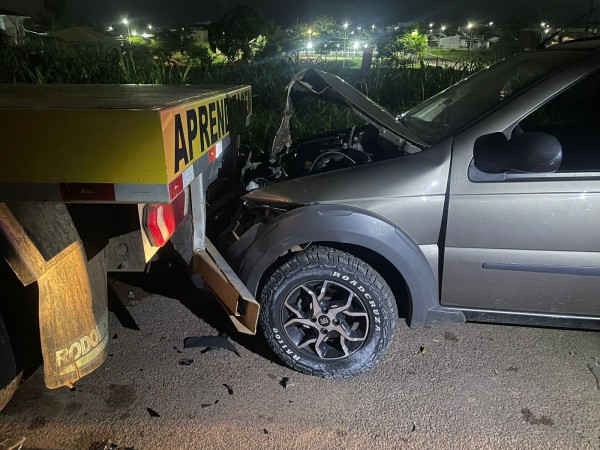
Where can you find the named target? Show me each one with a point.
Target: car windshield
(451, 109)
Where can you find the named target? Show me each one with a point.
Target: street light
(442, 28)
(345, 35)
(126, 23)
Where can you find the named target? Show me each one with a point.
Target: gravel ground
(458, 386)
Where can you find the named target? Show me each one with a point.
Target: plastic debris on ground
(186, 362)
(206, 405)
(210, 342)
(287, 382)
(229, 390)
(152, 412)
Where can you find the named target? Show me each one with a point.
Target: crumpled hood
(330, 88)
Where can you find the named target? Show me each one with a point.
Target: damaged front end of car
(380, 137)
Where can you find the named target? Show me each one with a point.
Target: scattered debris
(450, 337)
(72, 389)
(414, 426)
(512, 369)
(423, 349)
(436, 340)
(130, 294)
(210, 342)
(595, 369)
(152, 412)
(496, 371)
(206, 405)
(186, 362)
(115, 336)
(265, 431)
(229, 390)
(110, 445)
(529, 417)
(12, 443)
(177, 350)
(287, 382)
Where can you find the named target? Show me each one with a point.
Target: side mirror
(532, 151)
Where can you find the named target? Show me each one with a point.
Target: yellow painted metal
(106, 134)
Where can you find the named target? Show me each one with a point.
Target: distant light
(146, 35)
(365, 46)
(309, 45)
(547, 30)
(338, 45)
(431, 25)
(125, 21)
(491, 24)
(470, 25)
(346, 25)
(373, 27)
(431, 30)
(443, 27)
(149, 26)
(134, 33)
(109, 29)
(414, 32)
(355, 45)
(310, 31)
(543, 24)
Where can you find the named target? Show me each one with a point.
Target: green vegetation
(395, 87)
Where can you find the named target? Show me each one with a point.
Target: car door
(529, 242)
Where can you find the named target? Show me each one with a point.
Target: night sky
(287, 12)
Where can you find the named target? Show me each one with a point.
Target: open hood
(327, 87)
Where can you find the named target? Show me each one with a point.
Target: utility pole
(587, 27)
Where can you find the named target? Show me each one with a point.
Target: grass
(395, 88)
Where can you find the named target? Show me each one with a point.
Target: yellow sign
(191, 130)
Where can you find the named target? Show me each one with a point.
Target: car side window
(573, 117)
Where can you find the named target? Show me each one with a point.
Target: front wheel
(327, 313)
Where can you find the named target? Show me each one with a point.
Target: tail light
(161, 220)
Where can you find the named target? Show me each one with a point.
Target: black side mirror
(532, 151)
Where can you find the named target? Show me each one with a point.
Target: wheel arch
(380, 243)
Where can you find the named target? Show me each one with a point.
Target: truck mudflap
(40, 243)
(239, 304)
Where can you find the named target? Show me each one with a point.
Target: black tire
(355, 317)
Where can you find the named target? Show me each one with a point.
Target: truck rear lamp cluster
(161, 220)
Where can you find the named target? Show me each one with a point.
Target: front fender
(260, 247)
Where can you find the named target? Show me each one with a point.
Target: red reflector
(161, 220)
